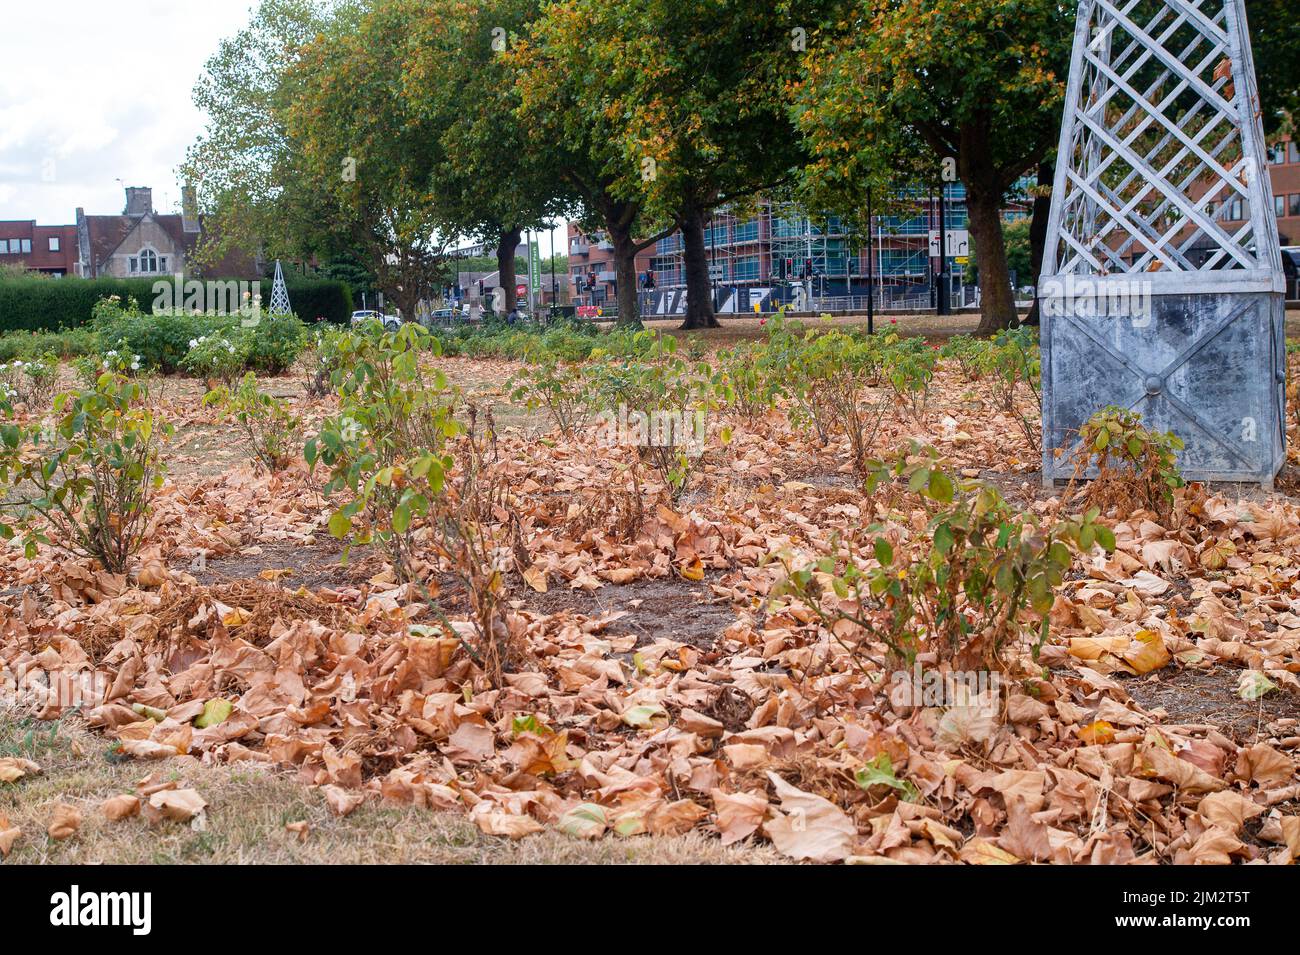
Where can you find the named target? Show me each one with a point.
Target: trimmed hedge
(54, 304)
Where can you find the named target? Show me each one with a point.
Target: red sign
(521, 291)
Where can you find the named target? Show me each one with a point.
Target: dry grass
(248, 808)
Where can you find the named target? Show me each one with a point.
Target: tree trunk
(998, 305)
(1038, 229)
(625, 249)
(699, 288)
(506, 266)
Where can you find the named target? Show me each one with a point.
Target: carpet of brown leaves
(661, 694)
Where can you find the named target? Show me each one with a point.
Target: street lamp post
(945, 286)
(871, 270)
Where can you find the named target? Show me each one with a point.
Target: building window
(1277, 154)
(1293, 205)
(4, 246)
(1235, 211)
(54, 243)
(1293, 151)
(1279, 206)
(27, 245)
(148, 262)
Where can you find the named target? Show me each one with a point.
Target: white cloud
(97, 91)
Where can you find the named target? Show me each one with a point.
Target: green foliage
(316, 300)
(219, 357)
(70, 343)
(890, 90)
(752, 381)
(275, 343)
(970, 354)
(848, 383)
(163, 342)
(880, 772)
(92, 472)
(273, 431)
(30, 382)
(1135, 466)
(665, 398)
(385, 450)
(559, 388)
(41, 305)
(1014, 369)
(1275, 36)
(960, 588)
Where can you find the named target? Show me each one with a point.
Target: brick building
(761, 258)
(1284, 170)
(141, 242)
(136, 244)
(765, 259)
(51, 249)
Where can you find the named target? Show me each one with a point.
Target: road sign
(535, 264)
(958, 243)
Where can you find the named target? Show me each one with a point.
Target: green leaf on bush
(340, 524)
(940, 487)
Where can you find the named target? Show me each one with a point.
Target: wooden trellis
(1163, 267)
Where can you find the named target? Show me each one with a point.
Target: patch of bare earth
(669, 608)
(1210, 697)
(291, 564)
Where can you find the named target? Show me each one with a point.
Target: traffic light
(480, 288)
(591, 281)
(649, 278)
(807, 269)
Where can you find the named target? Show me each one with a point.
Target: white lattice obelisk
(1162, 286)
(279, 294)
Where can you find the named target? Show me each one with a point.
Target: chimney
(190, 210)
(139, 201)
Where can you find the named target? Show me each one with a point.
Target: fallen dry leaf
(178, 805)
(65, 822)
(117, 808)
(14, 768)
(809, 827)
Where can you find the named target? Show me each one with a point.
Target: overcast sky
(95, 96)
(97, 91)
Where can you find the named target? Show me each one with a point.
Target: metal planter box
(1162, 286)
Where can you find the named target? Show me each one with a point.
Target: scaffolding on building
(781, 245)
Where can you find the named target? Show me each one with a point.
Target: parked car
(391, 322)
(445, 316)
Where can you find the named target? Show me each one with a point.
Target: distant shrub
(164, 341)
(39, 304)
